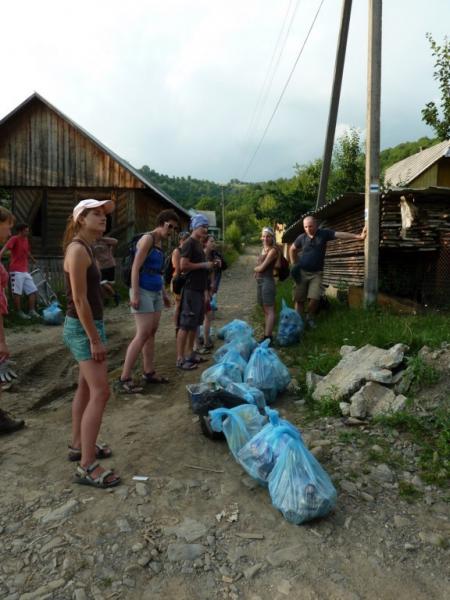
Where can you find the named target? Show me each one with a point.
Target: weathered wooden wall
(40, 148)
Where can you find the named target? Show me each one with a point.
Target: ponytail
(72, 229)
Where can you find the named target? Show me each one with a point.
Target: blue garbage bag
(53, 314)
(267, 372)
(234, 357)
(259, 455)
(244, 344)
(248, 393)
(299, 486)
(214, 302)
(221, 374)
(238, 424)
(290, 326)
(234, 328)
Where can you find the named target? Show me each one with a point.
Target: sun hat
(91, 203)
(199, 220)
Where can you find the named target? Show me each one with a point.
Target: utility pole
(372, 188)
(334, 106)
(223, 214)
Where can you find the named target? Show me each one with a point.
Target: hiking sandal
(126, 386)
(101, 451)
(153, 378)
(83, 477)
(197, 359)
(186, 365)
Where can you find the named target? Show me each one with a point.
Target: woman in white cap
(84, 334)
(266, 289)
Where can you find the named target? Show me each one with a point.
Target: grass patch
(432, 434)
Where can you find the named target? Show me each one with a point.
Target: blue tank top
(150, 277)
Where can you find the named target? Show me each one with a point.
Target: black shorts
(192, 310)
(108, 274)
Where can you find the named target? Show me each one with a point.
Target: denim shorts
(149, 302)
(77, 341)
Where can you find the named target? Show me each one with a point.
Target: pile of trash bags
(231, 402)
(290, 326)
(272, 451)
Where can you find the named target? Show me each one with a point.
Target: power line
(270, 76)
(282, 93)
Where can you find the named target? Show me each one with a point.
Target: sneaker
(34, 314)
(8, 424)
(23, 315)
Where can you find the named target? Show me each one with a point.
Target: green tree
(347, 173)
(439, 117)
(233, 236)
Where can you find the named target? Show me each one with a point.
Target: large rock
(189, 529)
(372, 399)
(355, 368)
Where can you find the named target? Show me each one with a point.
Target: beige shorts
(310, 286)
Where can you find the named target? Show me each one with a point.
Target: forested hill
(248, 205)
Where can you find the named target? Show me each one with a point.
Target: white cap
(91, 203)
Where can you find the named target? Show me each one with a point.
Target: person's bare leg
(96, 376)
(190, 340)
(207, 327)
(300, 308)
(313, 307)
(144, 325)
(148, 351)
(32, 301)
(269, 320)
(182, 336)
(16, 300)
(79, 404)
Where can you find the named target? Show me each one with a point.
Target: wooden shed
(48, 163)
(414, 259)
(427, 168)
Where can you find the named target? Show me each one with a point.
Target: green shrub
(233, 236)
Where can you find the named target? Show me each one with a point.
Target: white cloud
(174, 84)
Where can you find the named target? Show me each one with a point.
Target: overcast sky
(175, 84)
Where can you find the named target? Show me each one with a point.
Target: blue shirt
(313, 249)
(150, 275)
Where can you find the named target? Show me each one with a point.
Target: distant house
(49, 163)
(414, 258)
(427, 168)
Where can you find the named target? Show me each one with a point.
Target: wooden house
(427, 168)
(48, 164)
(414, 258)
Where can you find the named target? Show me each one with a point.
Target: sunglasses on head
(169, 225)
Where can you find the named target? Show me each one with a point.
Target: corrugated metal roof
(405, 171)
(114, 156)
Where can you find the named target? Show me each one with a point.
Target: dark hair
(183, 235)
(167, 215)
(21, 226)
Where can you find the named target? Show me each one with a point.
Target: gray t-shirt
(313, 249)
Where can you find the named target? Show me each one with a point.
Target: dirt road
(189, 532)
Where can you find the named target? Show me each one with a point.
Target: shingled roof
(407, 170)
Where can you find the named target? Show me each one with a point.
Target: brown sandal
(83, 477)
(101, 451)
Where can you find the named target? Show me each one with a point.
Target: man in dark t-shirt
(313, 245)
(192, 262)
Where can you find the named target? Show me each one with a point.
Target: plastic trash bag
(53, 314)
(203, 398)
(290, 326)
(244, 344)
(238, 424)
(259, 455)
(299, 486)
(266, 372)
(221, 373)
(234, 357)
(234, 328)
(248, 393)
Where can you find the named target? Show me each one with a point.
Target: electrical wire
(271, 72)
(282, 93)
